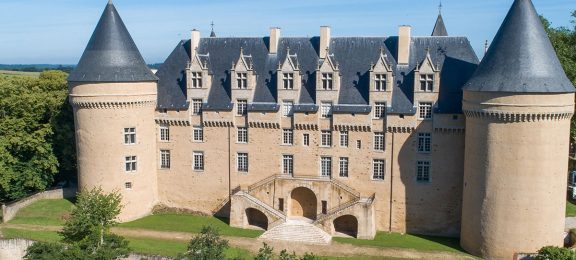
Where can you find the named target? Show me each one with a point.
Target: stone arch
(256, 218)
(347, 225)
(303, 203)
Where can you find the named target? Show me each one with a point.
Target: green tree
(265, 253)
(37, 140)
(86, 235)
(206, 246)
(284, 255)
(555, 253)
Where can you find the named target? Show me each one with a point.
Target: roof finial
(212, 33)
(485, 47)
(440, 8)
(110, 2)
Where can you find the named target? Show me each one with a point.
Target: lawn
(188, 223)
(570, 209)
(11, 73)
(44, 212)
(417, 242)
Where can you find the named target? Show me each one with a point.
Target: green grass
(44, 212)
(417, 242)
(11, 73)
(188, 223)
(44, 236)
(570, 209)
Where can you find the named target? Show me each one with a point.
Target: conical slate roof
(439, 27)
(111, 54)
(521, 58)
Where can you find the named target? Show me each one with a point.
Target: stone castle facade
(353, 134)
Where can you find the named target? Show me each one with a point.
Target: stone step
(298, 231)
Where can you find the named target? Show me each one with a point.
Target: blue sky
(57, 31)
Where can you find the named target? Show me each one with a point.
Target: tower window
(198, 134)
(358, 144)
(379, 141)
(287, 136)
(242, 135)
(426, 82)
(424, 142)
(324, 207)
(130, 135)
(287, 108)
(326, 109)
(242, 80)
(198, 161)
(196, 106)
(242, 162)
(423, 171)
(196, 79)
(326, 137)
(288, 80)
(327, 81)
(425, 110)
(164, 132)
(326, 166)
(130, 163)
(344, 138)
(241, 107)
(128, 185)
(306, 139)
(378, 169)
(165, 159)
(380, 82)
(379, 110)
(288, 164)
(344, 167)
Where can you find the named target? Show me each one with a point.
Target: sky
(57, 31)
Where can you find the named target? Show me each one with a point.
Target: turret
(518, 106)
(113, 94)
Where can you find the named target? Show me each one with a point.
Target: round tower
(518, 106)
(113, 94)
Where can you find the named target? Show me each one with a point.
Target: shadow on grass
(451, 242)
(224, 220)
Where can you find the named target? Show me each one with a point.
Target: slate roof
(439, 27)
(111, 54)
(521, 58)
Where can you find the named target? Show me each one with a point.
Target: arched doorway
(256, 218)
(346, 225)
(304, 203)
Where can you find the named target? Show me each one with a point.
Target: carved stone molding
(455, 131)
(112, 104)
(267, 125)
(400, 129)
(172, 122)
(218, 124)
(307, 127)
(353, 128)
(518, 117)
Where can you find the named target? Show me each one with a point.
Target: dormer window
(380, 82)
(327, 81)
(288, 81)
(426, 82)
(242, 79)
(241, 107)
(326, 110)
(196, 79)
(287, 108)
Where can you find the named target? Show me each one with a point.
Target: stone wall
(14, 249)
(9, 211)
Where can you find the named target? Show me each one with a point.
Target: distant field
(19, 73)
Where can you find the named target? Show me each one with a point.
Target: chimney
(194, 41)
(324, 41)
(404, 39)
(274, 40)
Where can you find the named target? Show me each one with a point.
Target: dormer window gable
(328, 76)
(243, 74)
(427, 76)
(289, 76)
(381, 74)
(198, 71)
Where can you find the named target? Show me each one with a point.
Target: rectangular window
(198, 161)
(358, 144)
(324, 207)
(326, 137)
(196, 106)
(281, 204)
(130, 135)
(379, 141)
(165, 159)
(164, 133)
(326, 166)
(343, 166)
(288, 80)
(196, 79)
(198, 134)
(344, 138)
(326, 109)
(423, 171)
(380, 82)
(242, 135)
(242, 162)
(288, 164)
(379, 110)
(242, 79)
(426, 82)
(128, 185)
(287, 108)
(425, 110)
(241, 107)
(287, 137)
(130, 162)
(424, 142)
(327, 81)
(378, 173)
(306, 139)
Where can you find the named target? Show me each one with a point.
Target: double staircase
(299, 231)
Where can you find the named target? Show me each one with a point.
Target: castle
(353, 135)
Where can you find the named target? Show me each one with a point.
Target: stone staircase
(298, 230)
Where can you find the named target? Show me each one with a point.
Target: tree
(206, 246)
(555, 253)
(86, 235)
(265, 253)
(37, 140)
